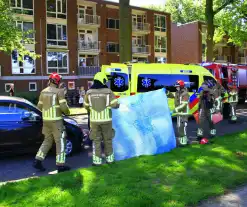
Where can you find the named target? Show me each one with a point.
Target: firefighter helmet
(101, 77)
(179, 83)
(204, 141)
(55, 78)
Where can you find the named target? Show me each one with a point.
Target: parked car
(21, 128)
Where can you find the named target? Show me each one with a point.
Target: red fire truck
(223, 72)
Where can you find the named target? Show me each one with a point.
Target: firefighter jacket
(233, 96)
(219, 93)
(52, 103)
(99, 101)
(207, 99)
(181, 100)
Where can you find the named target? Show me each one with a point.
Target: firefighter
(99, 100)
(206, 110)
(219, 93)
(233, 100)
(53, 105)
(181, 110)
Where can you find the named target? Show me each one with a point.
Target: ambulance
(134, 78)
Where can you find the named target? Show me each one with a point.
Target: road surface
(20, 167)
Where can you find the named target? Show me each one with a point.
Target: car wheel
(69, 147)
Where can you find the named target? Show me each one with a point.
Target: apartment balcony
(88, 70)
(223, 59)
(89, 21)
(140, 28)
(89, 48)
(242, 60)
(141, 51)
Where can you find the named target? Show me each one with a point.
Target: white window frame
(73, 85)
(35, 83)
(8, 84)
(115, 43)
(56, 12)
(21, 8)
(160, 48)
(58, 40)
(19, 68)
(21, 23)
(57, 68)
(159, 25)
(115, 23)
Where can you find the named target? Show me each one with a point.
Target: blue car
(21, 128)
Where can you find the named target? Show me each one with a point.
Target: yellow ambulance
(134, 78)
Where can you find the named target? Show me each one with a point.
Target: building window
(56, 8)
(32, 86)
(22, 6)
(19, 67)
(56, 35)
(112, 23)
(57, 62)
(160, 60)
(160, 44)
(8, 86)
(160, 23)
(25, 27)
(112, 47)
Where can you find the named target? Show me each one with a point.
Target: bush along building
(76, 37)
(189, 46)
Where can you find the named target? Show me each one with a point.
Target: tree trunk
(125, 31)
(209, 14)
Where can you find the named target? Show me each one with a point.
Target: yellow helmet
(101, 77)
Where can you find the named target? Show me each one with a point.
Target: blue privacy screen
(143, 126)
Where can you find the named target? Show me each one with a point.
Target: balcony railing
(145, 27)
(89, 46)
(89, 20)
(88, 70)
(242, 60)
(137, 49)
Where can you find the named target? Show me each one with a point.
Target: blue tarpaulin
(143, 126)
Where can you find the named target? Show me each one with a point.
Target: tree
(211, 10)
(233, 22)
(11, 37)
(184, 11)
(125, 31)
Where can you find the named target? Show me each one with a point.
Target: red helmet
(179, 83)
(204, 141)
(55, 78)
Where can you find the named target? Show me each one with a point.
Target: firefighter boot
(37, 164)
(183, 141)
(62, 168)
(110, 159)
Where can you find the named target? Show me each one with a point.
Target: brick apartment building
(76, 37)
(189, 43)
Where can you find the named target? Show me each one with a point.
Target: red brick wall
(185, 43)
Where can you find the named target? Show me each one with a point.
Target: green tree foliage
(11, 37)
(233, 22)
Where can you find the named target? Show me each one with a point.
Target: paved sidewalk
(237, 198)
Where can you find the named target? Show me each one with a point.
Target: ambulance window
(119, 82)
(150, 82)
(206, 78)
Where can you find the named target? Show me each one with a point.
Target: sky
(143, 2)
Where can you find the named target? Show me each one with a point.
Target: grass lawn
(179, 178)
(74, 111)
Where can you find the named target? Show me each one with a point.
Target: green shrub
(30, 96)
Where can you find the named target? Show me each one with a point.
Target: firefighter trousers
(53, 131)
(98, 133)
(233, 107)
(182, 123)
(205, 118)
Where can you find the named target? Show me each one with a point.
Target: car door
(10, 138)
(31, 127)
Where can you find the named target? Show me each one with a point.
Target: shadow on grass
(179, 178)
